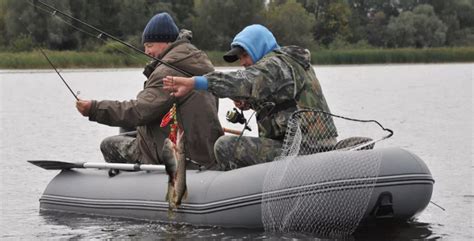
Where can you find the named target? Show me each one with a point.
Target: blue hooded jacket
(257, 41)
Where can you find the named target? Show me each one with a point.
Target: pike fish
(175, 164)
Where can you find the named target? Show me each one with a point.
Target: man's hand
(178, 86)
(242, 104)
(84, 106)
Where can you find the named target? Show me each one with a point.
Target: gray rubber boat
(401, 190)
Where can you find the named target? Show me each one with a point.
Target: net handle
(371, 142)
(390, 132)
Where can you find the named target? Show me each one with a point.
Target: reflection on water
(117, 228)
(73, 226)
(428, 106)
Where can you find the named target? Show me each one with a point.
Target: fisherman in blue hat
(276, 82)
(196, 112)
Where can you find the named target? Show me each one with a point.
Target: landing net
(320, 185)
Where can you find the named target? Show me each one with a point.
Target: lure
(170, 118)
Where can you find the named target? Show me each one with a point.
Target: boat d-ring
(113, 172)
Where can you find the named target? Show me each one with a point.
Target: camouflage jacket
(282, 82)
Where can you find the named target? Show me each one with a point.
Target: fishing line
(103, 33)
(60, 76)
(83, 31)
(246, 124)
(239, 138)
(437, 205)
(98, 37)
(55, 69)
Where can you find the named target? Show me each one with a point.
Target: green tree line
(332, 24)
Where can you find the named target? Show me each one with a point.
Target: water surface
(430, 108)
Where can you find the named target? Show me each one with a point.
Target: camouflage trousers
(123, 149)
(120, 149)
(232, 152)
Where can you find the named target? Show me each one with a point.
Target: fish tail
(171, 214)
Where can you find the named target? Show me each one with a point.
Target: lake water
(430, 108)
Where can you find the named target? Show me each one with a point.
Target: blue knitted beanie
(160, 28)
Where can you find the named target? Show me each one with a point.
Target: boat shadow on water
(77, 226)
(395, 230)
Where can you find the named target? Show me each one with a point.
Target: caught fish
(175, 163)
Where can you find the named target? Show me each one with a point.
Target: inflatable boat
(400, 190)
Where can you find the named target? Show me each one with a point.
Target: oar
(59, 165)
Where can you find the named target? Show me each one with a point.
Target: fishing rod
(54, 11)
(60, 76)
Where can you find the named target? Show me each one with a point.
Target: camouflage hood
(301, 55)
(185, 34)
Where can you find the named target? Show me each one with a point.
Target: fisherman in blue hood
(276, 82)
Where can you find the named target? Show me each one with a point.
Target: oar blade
(55, 165)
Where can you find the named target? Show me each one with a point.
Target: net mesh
(317, 184)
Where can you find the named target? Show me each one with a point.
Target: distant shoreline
(74, 59)
(226, 67)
